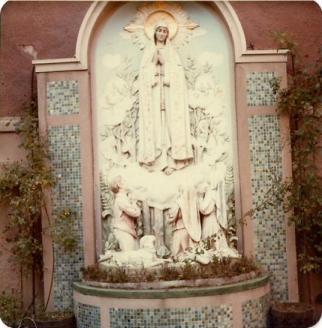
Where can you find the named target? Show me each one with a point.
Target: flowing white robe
(185, 217)
(208, 209)
(211, 208)
(167, 132)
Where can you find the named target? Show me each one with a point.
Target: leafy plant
(217, 268)
(9, 309)
(62, 231)
(22, 190)
(302, 102)
(189, 271)
(169, 272)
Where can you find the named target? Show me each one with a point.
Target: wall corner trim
(9, 123)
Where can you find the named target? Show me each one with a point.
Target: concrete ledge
(235, 305)
(173, 292)
(169, 284)
(9, 123)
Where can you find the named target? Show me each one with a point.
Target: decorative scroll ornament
(181, 28)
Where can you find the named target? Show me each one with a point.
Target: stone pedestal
(236, 305)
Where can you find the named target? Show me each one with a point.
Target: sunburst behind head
(160, 19)
(142, 27)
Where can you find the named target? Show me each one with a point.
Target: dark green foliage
(9, 309)
(302, 102)
(190, 272)
(22, 186)
(63, 231)
(169, 272)
(217, 268)
(22, 190)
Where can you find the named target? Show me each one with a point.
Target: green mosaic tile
(259, 90)
(62, 97)
(255, 312)
(87, 316)
(269, 223)
(64, 142)
(206, 317)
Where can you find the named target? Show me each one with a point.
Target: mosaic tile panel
(259, 90)
(62, 97)
(205, 317)
(88, 316)
(65, 158)
(269, 223)
(255, 312)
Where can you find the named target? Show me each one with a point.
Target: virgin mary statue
(164, 126)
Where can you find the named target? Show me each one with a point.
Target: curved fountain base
(236, 305)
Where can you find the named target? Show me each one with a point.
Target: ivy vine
(22, 186)
(22, 190)
(302, 102)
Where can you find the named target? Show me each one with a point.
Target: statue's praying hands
(158, 58)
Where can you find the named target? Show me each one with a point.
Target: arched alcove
(206, 53)
(68, 110)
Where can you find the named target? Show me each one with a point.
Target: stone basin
(235, 304)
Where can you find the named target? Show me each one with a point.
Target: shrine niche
(164, 129)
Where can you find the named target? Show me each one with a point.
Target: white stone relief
(165, 154)
(144, 256)
(182, 29)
